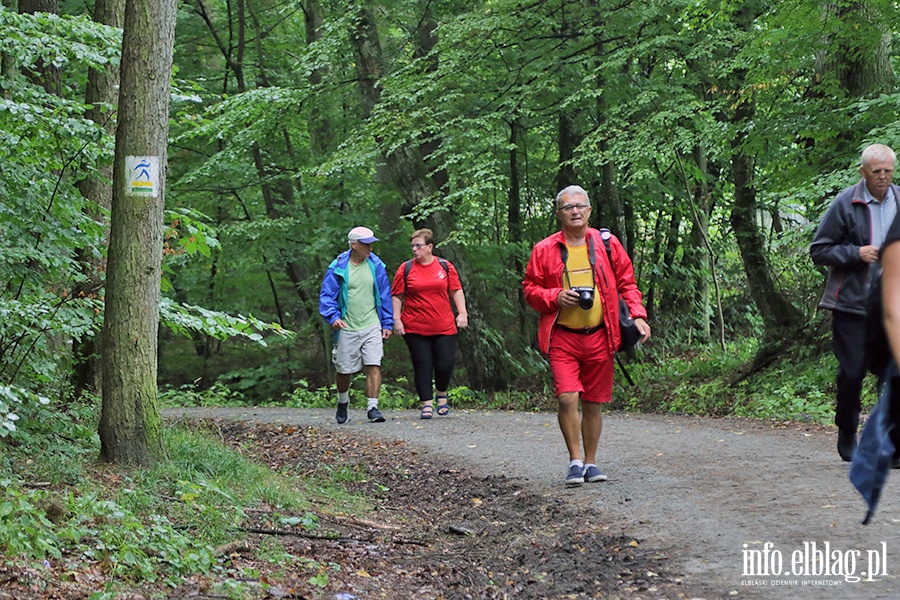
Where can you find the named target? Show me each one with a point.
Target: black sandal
(427, 411)
(443, 409)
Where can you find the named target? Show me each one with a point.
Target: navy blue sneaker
(575, 476)
(593, 473)
(375, 415)
(341, 415)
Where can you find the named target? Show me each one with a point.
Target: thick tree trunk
(130, 424)
(102, 96)
(859, 53)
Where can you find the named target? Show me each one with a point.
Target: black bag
(630, 334)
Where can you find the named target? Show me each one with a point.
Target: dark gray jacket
(846, 226)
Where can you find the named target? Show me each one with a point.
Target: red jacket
(543, 282)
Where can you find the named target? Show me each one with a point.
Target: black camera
(585, 296)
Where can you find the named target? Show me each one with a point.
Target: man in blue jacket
(847, 241)
(356, 301)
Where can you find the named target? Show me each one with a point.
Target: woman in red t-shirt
(421, 294)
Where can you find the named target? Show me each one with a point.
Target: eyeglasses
(416, 246)
(568, 207)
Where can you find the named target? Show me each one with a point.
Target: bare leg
(570, 422)
(591, 427)
(373, 380)
(343, 381)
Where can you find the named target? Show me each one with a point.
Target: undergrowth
(153, 525)
(707, 381)
(159, 525)
(799, 386)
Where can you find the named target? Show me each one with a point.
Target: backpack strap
(604, 235)
(407, 267)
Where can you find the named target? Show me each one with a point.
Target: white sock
(344, 397)
(373, 403)
(586, 465)
(576, 462)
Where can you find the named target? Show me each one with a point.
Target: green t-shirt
(361, 311)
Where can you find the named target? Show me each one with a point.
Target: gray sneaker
(341, 415)
(375, 415)
(575, 476)
(593, 473)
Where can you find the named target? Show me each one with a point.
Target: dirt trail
(698, 489)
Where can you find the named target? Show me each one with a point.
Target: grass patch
(151, 526)
(799, 386)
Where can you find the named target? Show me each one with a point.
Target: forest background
(710, 135)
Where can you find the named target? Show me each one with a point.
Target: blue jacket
(333, 296)
(875, 451)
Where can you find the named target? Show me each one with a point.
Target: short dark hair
(427, 235)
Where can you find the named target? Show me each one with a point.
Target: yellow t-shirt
(579, 273)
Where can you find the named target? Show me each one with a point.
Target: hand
(338, 324)
(385, 334)
(399, 329)
(567, 298)
(644, 328)
(868, 254)
(462, 321)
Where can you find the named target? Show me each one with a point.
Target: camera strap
(564, 255)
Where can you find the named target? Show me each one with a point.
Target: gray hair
(877, 152)
(572, 190)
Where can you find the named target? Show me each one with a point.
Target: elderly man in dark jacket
(847, 241)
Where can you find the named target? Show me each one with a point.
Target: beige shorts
(355, 349)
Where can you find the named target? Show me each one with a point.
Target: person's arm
(462, 315)
(890, 296)
(626, 284)
(328, 299)
(540, 297)
(831, 246)
(397, 303)
(386, 312)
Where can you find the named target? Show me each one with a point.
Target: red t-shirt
(426, 305)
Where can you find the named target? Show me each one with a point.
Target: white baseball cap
(363, 235)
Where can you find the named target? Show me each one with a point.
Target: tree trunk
(859, 53)
(481, 349)
(47, 76)
(102, 96)
(130, 424)
(696, 259)
(514, 216)
(779, 315)
(566, 142)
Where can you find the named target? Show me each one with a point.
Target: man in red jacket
(571, 283)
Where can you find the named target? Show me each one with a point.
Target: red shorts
(582, 363)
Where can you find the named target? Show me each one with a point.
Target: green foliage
(157, 525)
(185, 319)
(46, 146)
(218, 394)
(10, 398)
(798, 386)
(393, 395)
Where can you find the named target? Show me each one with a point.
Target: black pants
(431, 354)
(848, 344)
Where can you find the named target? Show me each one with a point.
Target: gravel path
(698, 489)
